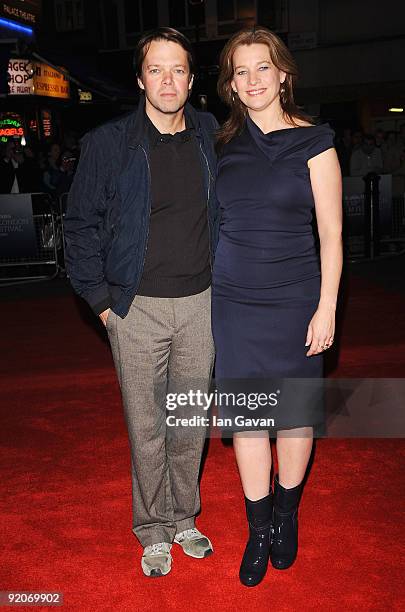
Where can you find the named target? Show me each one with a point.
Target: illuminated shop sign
(34, 78)
(49, 82)
(46, 118)
(21, 11)
(10, 128)
(9, 132)
(85, 96)
(20, 73)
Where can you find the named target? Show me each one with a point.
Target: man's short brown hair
(169, 34)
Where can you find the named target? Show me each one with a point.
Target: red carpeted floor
(66, 503)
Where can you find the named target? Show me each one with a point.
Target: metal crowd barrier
(373, 220)
(62, 212)
(398, 219)
(31, 238)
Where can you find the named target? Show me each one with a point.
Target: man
(11, 169)
(19, 171)
(141, 230)
(401, 136)
(366, 158)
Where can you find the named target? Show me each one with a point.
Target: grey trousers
(162, 345)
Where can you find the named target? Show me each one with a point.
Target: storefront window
(69, 15)
(140, 16)
(226, 10)
(177, 13)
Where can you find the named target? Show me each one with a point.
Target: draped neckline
(253, 126)
(272, 144)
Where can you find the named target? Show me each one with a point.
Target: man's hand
(104, 315)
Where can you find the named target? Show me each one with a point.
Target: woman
(273, 304)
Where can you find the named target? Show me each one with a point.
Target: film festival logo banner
(354, 200)
(17, 231)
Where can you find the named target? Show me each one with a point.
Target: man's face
(357, 138)
(379, 137)
(166, 76)
(10, 149)
(368, 145)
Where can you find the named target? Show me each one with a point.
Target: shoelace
(190, 533)
(156, 549)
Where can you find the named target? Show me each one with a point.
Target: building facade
(349, 54)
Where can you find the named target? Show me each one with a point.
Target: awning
(86, 74)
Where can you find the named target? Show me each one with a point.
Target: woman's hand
(321, 330)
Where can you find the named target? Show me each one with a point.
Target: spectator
(67, 170)
(367, 158)
(52, 173)
(398, 178)
(32, 170)
(15, 174)
(357, 140)
(42, 160)
(401, 168)
(71, 142)
(391, 152)
(379, 139)
(401, 136)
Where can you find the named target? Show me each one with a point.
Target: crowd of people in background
(381, 152)
(27, 170)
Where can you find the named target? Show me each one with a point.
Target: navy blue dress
(266, 277)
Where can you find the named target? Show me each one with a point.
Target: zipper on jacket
(207, 208)
(148, 224)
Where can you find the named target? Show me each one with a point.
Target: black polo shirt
(177, 260)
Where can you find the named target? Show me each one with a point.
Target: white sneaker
(194, 543)
(156, 559)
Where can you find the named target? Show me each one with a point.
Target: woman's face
(255, 78)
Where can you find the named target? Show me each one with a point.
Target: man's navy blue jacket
(108, 213)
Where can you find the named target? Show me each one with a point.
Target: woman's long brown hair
(280, 57)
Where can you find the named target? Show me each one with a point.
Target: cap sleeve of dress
(321, 140)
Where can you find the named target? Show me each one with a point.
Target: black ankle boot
(284, 545)
(256, 556)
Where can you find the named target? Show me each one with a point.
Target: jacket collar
(137, 132)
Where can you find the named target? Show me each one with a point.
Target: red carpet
(66, 503)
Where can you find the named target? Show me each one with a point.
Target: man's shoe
(194, 543)
(157, 560)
